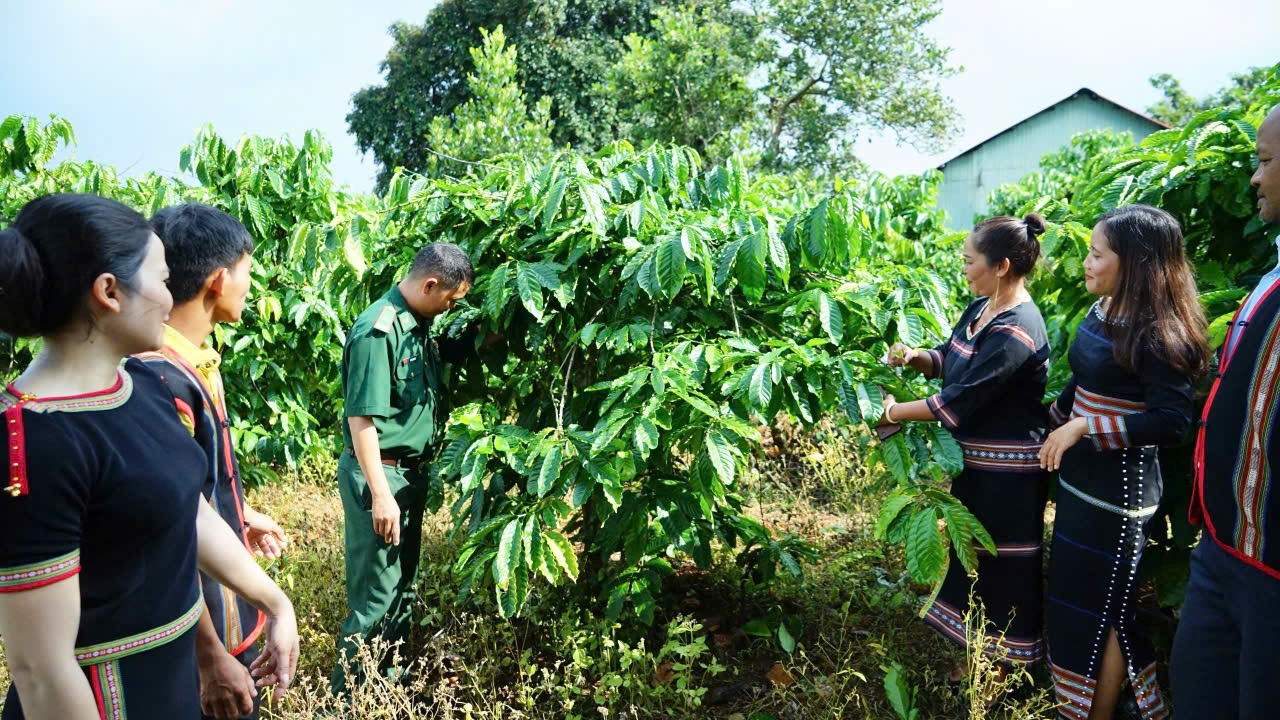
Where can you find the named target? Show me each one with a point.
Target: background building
(1015, 151)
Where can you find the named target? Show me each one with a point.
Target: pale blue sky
(137, 78)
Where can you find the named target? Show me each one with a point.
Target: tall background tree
(1178, 106)
(565, 47)
(797, 81)
(845, 67)
(495, 124)
(690, 82)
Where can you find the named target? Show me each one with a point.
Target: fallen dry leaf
(778, 675)
(663, 675)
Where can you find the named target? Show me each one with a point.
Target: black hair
(1156, 306)
(445, 261)
(1017, 240)
(55, 250)
(198, 240)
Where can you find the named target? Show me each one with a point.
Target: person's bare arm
(386, 512)
(917, 410)
(39, 628)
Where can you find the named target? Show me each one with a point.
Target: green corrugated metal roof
(1082, 92)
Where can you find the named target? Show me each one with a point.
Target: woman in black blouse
(994, 369)
(1133, 362)
(102, 525)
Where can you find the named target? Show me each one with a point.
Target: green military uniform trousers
(390, 374)
(381, 578)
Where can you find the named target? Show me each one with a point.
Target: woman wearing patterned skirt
(102, 525)
(993, 370)
(1133, 361)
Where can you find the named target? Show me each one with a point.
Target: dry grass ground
(856, 608)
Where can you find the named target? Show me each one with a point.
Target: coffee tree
(654, 315)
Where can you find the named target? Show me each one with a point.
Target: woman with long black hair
(102, 524)
(1134, 360)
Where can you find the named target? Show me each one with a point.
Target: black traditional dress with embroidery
(992, 401)
(1109, 488)
(106, 486)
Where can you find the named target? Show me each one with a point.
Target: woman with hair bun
(102, 524)
(1133, 362)
(994, 369)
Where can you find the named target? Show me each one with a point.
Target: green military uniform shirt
(391, 374)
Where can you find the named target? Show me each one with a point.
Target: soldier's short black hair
(198, 240)
(445, 261)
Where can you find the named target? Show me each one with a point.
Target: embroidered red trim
(1198, 510)
(96, 684)
(36, 575)
(141, 642)
(938, 407)
(1018, 334)
(937, 358)
(115, 387)
(16, 437)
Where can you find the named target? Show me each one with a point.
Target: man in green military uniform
(391, 387)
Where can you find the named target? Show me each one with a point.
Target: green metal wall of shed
(970, 178)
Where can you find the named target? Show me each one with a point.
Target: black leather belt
(388, 461)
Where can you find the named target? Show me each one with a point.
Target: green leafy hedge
(654, 313)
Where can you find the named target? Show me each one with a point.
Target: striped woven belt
(1005, 455)
(1140, 513)
(143, 641)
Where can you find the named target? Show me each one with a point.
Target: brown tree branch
(780, 114)
(568, 372)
